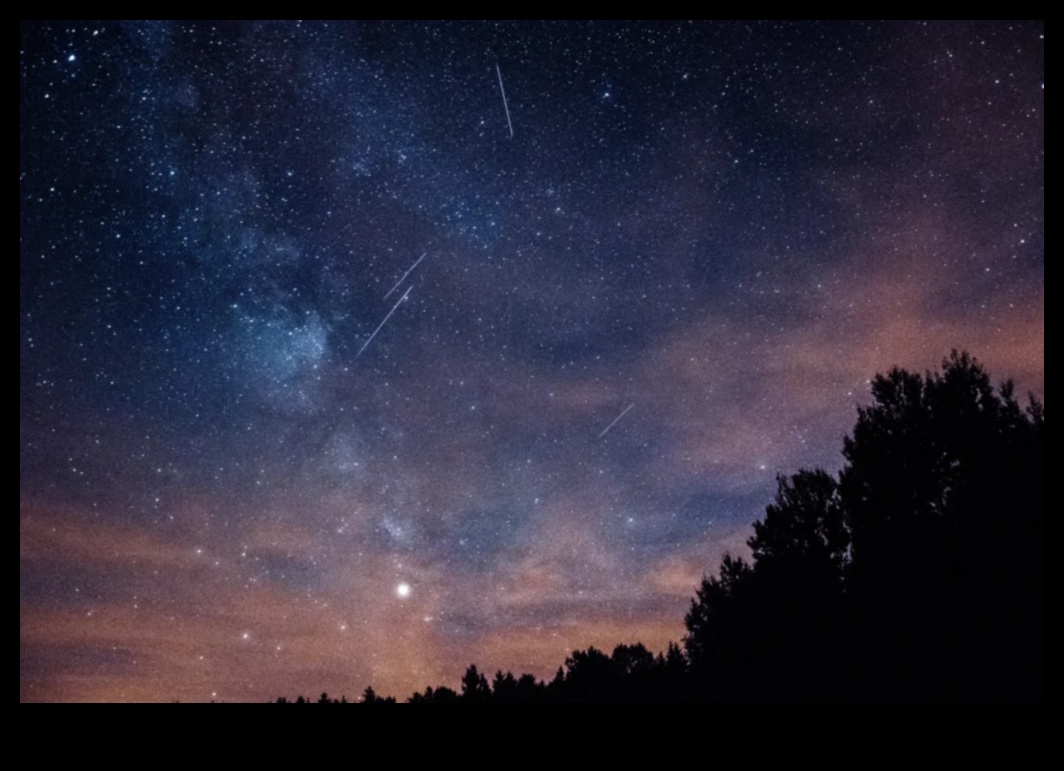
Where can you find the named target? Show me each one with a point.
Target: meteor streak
(614, 423)
(403, 277)
(378, 329)
(504, 105)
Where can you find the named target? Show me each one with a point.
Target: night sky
(356, 353)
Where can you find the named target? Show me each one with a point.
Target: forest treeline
(915, 574)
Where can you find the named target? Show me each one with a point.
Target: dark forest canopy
(918, 573)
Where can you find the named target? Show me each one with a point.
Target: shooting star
(378, 329)
(505, 106)
(614, 423)
(403, 277)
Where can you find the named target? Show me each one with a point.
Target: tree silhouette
(440, 695)
(945, 478)
(717, 625)
(475, 688)
(918, 575)
(804, 533)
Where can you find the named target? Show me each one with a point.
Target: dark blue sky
(730, 227)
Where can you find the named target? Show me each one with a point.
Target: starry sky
(355, 353)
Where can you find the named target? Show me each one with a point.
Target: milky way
(716, 232)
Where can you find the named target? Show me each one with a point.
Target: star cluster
(353, 353)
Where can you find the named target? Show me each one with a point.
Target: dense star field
(354, 353)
